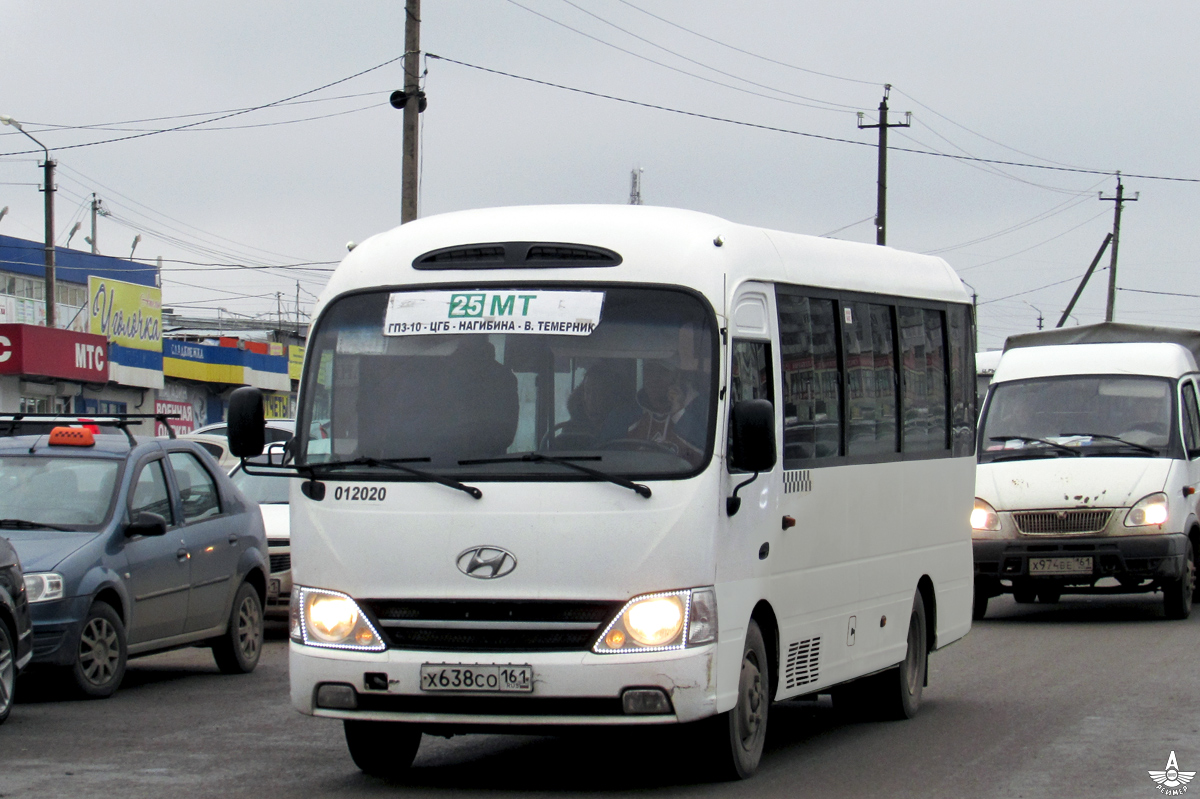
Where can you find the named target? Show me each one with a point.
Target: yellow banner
(276, 406)
(125, 313)
(295, 361)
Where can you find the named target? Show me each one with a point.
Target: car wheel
(8, 671)
(101, 653)
(739, 734)
(1177, 594)
(238, 650)
(384, 749)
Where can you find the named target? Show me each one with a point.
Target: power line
(805, 134)
(220, 117)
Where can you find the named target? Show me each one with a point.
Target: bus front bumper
(569, 688)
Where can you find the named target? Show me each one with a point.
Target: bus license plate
(1060, 565)
(499, 679)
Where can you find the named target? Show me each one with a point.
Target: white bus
(621, 465)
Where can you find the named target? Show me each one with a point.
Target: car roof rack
(11, 423)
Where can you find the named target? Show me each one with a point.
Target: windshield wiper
(1142, 447)
(537, 457)
(397, 465)
(25, 524)
(1075, 451)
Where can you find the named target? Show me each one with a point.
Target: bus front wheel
(738, 735)
(384, 749)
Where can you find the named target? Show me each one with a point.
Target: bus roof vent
(517, 255)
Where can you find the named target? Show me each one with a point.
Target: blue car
(130, 546)
(16, 634)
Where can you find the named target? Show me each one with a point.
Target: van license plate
(499, 679)
(1060, 565)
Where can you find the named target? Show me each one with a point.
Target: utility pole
(1086, 275)
(883, 125)
(1120, 200)
(48, 165)
(635, 186)
(95, 210)
(412, 100)
(297, 307)
(279, 309)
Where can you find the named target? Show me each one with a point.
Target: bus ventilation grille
(798, 481)
(516, 255)
(803, 661)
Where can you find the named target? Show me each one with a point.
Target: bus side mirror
(751, 436)
(247, 422)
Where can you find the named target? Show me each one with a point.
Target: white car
(217, 446)
(271, 494)
(277, 430)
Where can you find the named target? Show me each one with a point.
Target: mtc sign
(36, 351)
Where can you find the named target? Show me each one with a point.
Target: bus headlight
(333, 620)
(1151, 510)
(984, 516)
(664, 621)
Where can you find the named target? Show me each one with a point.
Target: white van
(1089, 458)
(622, 465)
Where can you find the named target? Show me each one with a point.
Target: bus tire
(903, 685)
(979, 603)
(738, 735)
(384, 749)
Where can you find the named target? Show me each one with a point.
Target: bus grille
(490, 626)
(1062, 521)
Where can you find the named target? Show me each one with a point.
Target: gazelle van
(1089, 459)
(620, 465)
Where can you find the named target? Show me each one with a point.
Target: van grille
(490, 626)
(1062, 521)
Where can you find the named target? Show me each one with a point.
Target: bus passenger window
(812, 425)
(751, 372)
(870, 378)
(923, 356)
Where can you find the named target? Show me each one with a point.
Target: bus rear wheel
(903, 685)
(384, 749)
(737, 737)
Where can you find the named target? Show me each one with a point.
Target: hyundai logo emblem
(486, 563)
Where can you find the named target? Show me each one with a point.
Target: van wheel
(384, 749)
(1177, 594)
(737, 737)
(904, 684)
(100, 654)
(238, 650)
(1024, 596)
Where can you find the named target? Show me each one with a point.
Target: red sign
(48, 352)
(186, 422)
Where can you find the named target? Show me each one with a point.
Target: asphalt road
(1076, 699)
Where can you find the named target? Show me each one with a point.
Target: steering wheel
(637, 444)
(558, 438)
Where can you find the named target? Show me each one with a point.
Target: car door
(211, 538)
(159, 570)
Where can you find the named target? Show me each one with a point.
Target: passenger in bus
(591, 403)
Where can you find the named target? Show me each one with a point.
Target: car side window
(150, 492)
(197, 490)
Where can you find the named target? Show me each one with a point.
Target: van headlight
(1152, 510)
(984, 516)
(663, 621)
(331, 619)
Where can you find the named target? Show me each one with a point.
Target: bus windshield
(1082, 415)
(461, 383)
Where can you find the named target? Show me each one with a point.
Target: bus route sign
(422, 313)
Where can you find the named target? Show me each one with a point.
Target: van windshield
(1083, 415)
(618, 379)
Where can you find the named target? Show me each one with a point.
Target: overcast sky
(1093, 86)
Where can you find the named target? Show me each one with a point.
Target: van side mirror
(147, 524)
(752, 436)
(247, 422)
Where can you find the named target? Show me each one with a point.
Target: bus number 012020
(360, 493)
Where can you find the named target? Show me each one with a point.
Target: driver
(666, 412)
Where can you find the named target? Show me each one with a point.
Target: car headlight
(984, 516)
(1151, 510)
(332, 620)
(43, 587)
(664, 621)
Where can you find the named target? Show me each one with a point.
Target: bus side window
(808, 350)
(1191, 421)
